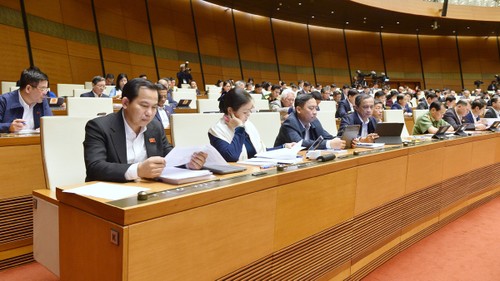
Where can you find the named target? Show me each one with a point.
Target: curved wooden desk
(336, 220)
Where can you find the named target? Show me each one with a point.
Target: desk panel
(424, 169)
(457, 160)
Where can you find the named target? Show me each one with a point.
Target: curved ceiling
(351, 15)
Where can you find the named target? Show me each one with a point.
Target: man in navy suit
(22, 109)
(455, 116)
(98, 87)
(130, 144)
(361, 116)
(164, 111)
(474, 116)
(302, 124)
(346, 106)
(494, 111)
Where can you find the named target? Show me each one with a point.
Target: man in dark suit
(130, 144)
(22, 109)
(303, 125)
(346, 106)
(494, 111)
(361, 116)
(98, 87)
(430, 97)
(305, 90)
(474, 116)
(164, 111)
(454, 116)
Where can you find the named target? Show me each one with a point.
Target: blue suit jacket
(398, 106)
(343, 109)
(292, 131)
(168, 109)
(91, 95)
(353, 119)
(11, 108)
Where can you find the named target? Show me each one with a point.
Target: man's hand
(197, 160)
(17, 125)
(337, 143)
(151, 167)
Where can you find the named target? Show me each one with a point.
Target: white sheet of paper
(182, 155)
(282, 153)
(370, 145)
(107, 190)
(179, 173)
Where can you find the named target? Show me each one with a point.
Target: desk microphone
(142, 195)
(326, 157)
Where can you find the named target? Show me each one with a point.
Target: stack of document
(175, 175)
(370, 145)
(282, 155)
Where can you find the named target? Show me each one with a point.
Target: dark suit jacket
(169, 110)
(490, 113)
(353, 119)
(343, 109)
(105, 148)
(11, 108)
(292, 131)
(91, 95)
(422, 105)
(451, 117)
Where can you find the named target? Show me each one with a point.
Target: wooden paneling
(15, 57)
(479, 58)
(210, 230)
(294, 55)
(457, 160)
(365, 51)
(424, 169)
(401, 56)
(256, 47)
(440, 59)
(311, 206)
(330, 59)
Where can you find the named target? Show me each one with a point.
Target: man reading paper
(130, 144)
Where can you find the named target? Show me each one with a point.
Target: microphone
(326, 157)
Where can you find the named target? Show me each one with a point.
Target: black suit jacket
(292, 131)
(490, 113)
(353, 119)
(91, 95)
(105, 148)
(343, 109)
(452, 118)
(423, 105)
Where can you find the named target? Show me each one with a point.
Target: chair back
(186, 95)
(66, 90)
(268, 125)
(328, 121)
(90, 107)
(6, 86)
(396, 116)
(328, 105)
(261, 104)
(62, 149)
(190, 129)
(417, 113)
(207, 105)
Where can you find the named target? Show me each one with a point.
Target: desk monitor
(184, 103)
(350, 133)
(389, 133)
(441, 132)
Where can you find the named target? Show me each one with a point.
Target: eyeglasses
(42, 89)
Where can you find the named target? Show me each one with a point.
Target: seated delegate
(234, 135)
(302, 124)
(362, 115)
(21, 109)
(430, 122)
(130, 144)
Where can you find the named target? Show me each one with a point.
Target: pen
(267, 166)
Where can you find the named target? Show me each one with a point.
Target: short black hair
(300, 100)
(436, 105)
(235, 99)
(110, 76)
(450, 98)
(360, 98)
(478, 103)
(274, 87)
(32, 76)
(352, 92)
(400, 97)
(431, 95)
(131, 89)
(462, 102)
(316, 95)
(379, 94)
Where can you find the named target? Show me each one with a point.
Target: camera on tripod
(478, 83)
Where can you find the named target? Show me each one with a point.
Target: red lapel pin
(152, 140)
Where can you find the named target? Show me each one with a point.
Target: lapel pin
(152, 140)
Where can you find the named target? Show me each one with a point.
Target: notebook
(224, 169)
(350, 133)
(389, 133)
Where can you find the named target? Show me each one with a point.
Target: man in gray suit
(98, 87)
(130, 144)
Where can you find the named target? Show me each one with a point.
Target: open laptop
(351, 132)
(441, 132)
(389, 133)
(495, 126)
(184, 103)
(55, 102)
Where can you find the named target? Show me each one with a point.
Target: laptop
(389, 133)
(441, 132)
(224, 169)
(460, 131)
(351, 132)
(495, 126)
(184, 103)
(55, 102)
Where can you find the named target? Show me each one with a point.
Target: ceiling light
(280, 4)
(468, 27)
(454, 31)
(312, 17)
(397, 22)
(346, 22)
(381, 27)
(300, 4)
(278, 8)
(332, 12)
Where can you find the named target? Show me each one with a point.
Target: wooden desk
(328, 221)
(21, 171)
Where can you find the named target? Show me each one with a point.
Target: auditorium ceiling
(351, 15)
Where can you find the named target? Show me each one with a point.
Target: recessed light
(364, 18)
(346, 22)
(278, 8)
(332, 12)
(397, 22)
(364, 21)
(416, 30)
(300, 4)
(454, 31)
(381, 26)
(468, 27)
(312, 17)
(280, 4)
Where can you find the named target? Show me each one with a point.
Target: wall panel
(294, 54)
(256, 47)
(365, 51)
(401, 57)
(440, 59)
(480, 59)
(330, 58)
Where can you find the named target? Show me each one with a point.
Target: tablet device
(441, 132)
(55, 102)
(495, 126)
(460, 131)
(351, 132)
(315, 144)
(389, 133)
(184, 103)
(224, 169)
